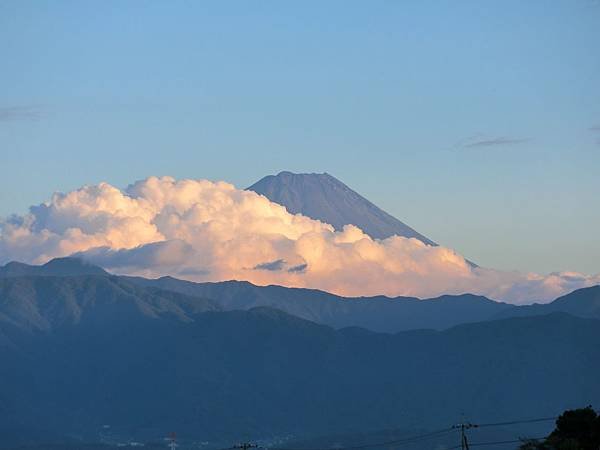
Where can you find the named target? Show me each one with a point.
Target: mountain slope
(380, 313)
(41, 304)
(582, 303)
(90, 350)
(323, 197)
(263, 373)
(55, 267)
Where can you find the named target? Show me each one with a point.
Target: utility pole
(173, 441)
(464, 443)
(245, 446)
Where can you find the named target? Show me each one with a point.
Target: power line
(378, 444)
(398, 441)
(464, 443)
(513, 441)
(505, 442)
(462, 427)
(515, 422)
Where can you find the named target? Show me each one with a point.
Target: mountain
(325, 198)
(55, 267)
(41, 304)
(382, 314)
(84, 351)
(583, 302)
(379, 313)
(258, 374)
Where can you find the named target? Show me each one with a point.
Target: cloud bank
(205, 231)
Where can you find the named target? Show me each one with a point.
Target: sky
(476, 123)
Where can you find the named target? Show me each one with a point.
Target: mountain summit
(325, 198)
(57, 267)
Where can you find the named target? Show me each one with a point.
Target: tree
(577, 429)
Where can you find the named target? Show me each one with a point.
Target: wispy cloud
(272, 265)
(297, 269)
(11, 113)
(596, 130)
(483, 141)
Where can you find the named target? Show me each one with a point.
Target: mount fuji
(325, 198)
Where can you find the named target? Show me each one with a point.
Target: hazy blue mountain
(582, 303)
(325, 198)
(226, 376)
(380, 313)
(55, 267)
(88, 350)
(374, 313)
(43, 303)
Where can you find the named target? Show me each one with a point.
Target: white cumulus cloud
(205, 231)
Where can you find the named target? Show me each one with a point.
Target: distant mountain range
(583, 302)
(220, 362)
(380, 314)
(44, 303)
(325, 198)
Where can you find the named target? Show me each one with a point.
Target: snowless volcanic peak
(325, 198)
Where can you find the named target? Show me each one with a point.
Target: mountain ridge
(379, 313)
(65, 266)
(382, 314)
(41, 303)
(89, 350)
(304, 378)
(323, 197)
(584, 302)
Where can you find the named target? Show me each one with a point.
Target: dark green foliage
(577, 429)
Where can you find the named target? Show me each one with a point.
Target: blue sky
(473, 122)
